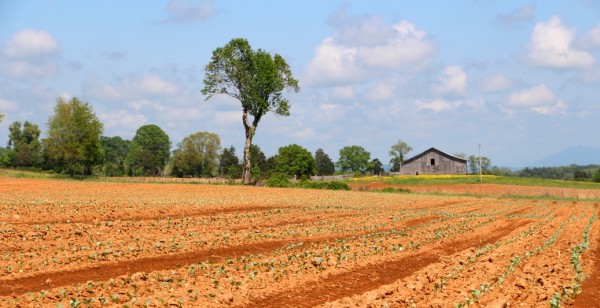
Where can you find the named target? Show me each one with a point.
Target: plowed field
(113, 244)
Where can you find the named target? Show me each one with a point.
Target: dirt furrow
(590, 295)
(374, 275)
(106, 271)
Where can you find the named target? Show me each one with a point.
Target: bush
(279, 180)
(333, 185)
(596, 177)
(395, 190)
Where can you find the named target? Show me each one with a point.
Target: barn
(434, 161)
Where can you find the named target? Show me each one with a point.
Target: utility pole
(479, 153)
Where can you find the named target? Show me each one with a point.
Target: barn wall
(442, 165)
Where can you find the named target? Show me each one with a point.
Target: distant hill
(579, 155)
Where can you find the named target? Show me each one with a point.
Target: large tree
(294, 160)
(398, 153)
(354, 158)
(197, 155)
(24, 146)
(253, 77)
(324, 164)
(73, 138)
(149, 152)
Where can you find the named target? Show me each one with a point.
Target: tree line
(74, 145)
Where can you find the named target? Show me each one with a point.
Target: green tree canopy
(398, 153)
(376, 167)
(294, 160)
(323, 164)
(73, 142)
(258, 160)
(115, 152)
(24, 146)
(473, 162)
(197, 155)
(229, 164)
(149, 152)
(253, 77)
(354, 158)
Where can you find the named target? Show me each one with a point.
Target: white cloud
(153, 84)
(305, 133)
(132, 88)
(189, 11)
(535, 96)
(407, 46)
(29, 54)
(6, 105)
(519, 15)
(538, 99)
(381, 92)
(495, 83)
(551, 46)
(558, 107)
(29, 43)
(592, 38)
(452, 80)
(123, 119)
(228, 118)
(437, 105)
(344, 93)
(139, 104)
(363, 47)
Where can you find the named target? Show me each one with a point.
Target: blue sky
(521, 78)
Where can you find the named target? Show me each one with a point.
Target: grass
(426, 180)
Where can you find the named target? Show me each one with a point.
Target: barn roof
(452, 157)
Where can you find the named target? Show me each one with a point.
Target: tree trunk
(246, 174)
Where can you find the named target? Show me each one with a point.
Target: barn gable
(434, 161)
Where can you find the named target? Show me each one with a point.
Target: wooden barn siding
(443, 165)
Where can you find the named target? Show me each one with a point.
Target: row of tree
(75, 145)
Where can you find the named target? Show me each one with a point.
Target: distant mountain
(579, 155)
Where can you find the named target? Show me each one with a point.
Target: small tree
(354, 158)
(115, 151)
(376, 167)
(596, 177)
(25, 148)
(253, 77)
(197, 155)
(294, 160)
(73, 138)
(398, 153)
(324, 164)
(150, 151)
(473, 162)
(229, 164)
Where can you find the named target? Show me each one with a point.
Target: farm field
(68, 243)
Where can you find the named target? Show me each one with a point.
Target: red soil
(200, 245)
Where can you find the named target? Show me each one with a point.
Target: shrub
(596, 177)
(278, 180)
(333, 185)
(394, 190)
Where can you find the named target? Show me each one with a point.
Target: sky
(521, 78)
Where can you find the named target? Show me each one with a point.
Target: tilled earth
(112, 244)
